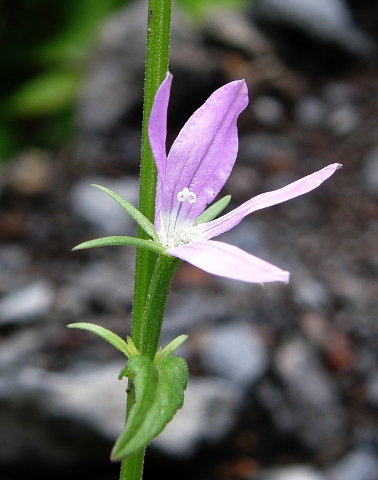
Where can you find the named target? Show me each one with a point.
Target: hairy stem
(157, 58)
(158, 36)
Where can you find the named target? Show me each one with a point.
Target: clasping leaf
(159, 393)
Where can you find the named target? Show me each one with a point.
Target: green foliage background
(44, 48)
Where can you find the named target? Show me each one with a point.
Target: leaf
(107, 335)
(122, 240)
(141, 220)
(159, 393)
(213, 211)
(47, 94)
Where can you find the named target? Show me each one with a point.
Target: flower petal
(228, 261)
(157, 133)
(295, 189)
(157, 125)
(204, 152)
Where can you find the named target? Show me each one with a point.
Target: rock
(319, 418)
(268, 110)
(60, 418)
(192, 308)
(13, 258)
(343, 116)
(310, 111)
(329, 21)
(209, 411)
(337, 94)
(370, 172)
(100, 210)
(27, 304)
(308, 292)
(31, 173)
(17, 350)
(359, 464)
(89, 401)
(235, 352)
(343, 120)
(267, 152)
(114, 83)
(104, 283)
(372, 388)
(233, 29)
(299, 472)
(92, 395)
(243, 182)
(272, 397)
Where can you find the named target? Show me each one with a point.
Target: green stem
(157, 58)
(132, 467)
(152, 321)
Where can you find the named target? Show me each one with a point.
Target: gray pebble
(359, 464)
(329, 21)
(343, 119)
(27, 304)
(312, 396)
(100, 210)
(268, 111)
(370, 172)
(309, 292)
(208, 413)
(297, 472)
(235, 352)
(309, 111)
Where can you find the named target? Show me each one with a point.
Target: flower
(196, 168)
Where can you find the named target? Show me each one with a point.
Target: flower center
(186, 196)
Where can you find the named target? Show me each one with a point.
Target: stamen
(186, 195)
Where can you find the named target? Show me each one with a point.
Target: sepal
(170, 348)
(213, 211)
(138, 216)
(126, 347)
(122, 240)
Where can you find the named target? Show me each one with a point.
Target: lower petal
(228, 261)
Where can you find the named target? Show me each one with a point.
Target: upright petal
(228, 261)
(157, 125)
(295, 189)
(204, 152)
(157, 133)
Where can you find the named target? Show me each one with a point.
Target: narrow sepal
(122, 240)
(170, 348)
(123, 346)
(213, 211)
(140, 219)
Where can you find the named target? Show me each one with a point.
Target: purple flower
(193, 173)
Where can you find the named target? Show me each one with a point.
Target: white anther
(186, 195)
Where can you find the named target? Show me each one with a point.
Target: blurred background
(283, 379)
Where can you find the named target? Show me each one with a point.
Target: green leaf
(159, 393)
(213, 211)
(125, 347)
(201, 9)
(47, 94)
(141, 220)
(121, 240)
